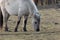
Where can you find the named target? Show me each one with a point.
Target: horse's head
(36, 21)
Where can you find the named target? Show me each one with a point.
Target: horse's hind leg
(25, 22)
(1, 20)
(5, 17)
(19, 19)
(6, 20)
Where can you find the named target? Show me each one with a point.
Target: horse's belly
(12, 11)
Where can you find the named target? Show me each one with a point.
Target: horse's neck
(34, 7)
(35, 11)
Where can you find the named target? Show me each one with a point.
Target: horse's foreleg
(19, 19)
(25, 22)
(6, 20)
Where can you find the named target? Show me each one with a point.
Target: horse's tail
(1, 19)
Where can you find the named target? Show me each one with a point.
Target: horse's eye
(35, 22)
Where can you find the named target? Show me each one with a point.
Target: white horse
(20, 8)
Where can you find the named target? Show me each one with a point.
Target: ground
(49, 27)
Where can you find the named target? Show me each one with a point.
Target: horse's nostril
(35, 22)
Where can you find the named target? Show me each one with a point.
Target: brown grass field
(49, 27)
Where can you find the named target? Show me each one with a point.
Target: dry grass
(50, 26)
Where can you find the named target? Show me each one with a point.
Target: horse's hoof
(6, 30)
(37, 30)
(9, 31)
(15, 31)
(24, 30)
